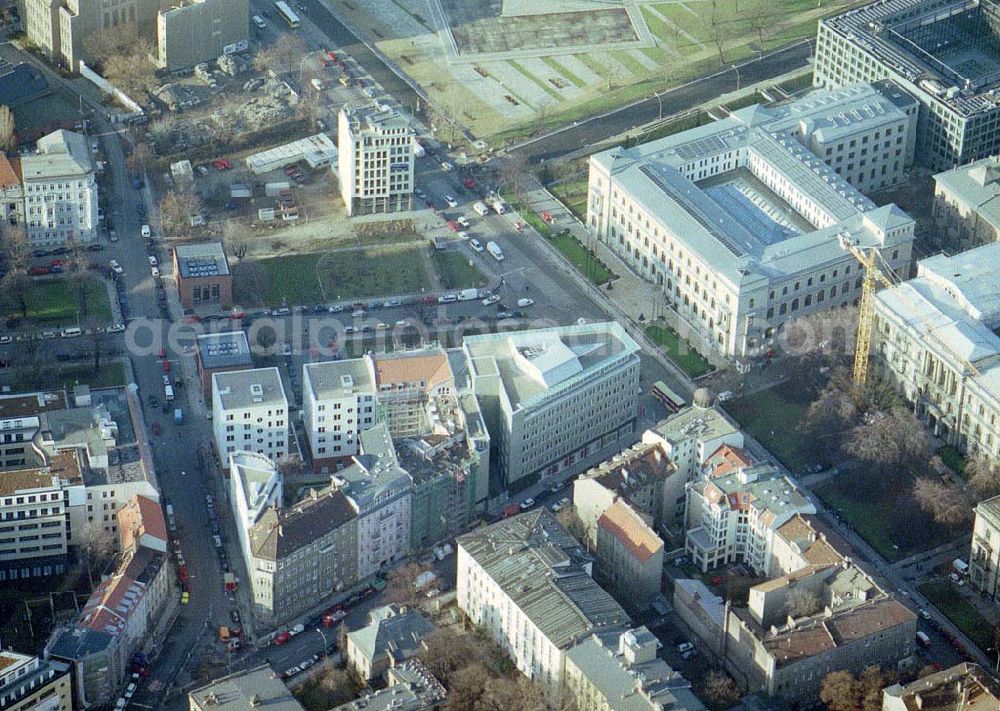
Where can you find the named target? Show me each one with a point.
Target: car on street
(286, 350)
(491, 299)
(504, 315)
(524, 303)
(146, 231)
(527, 504)
(115, 328)
(234, 615)
(725, 396)
(116, 267)
(95, 247)
(684, 647)
(291, 671)
(453, 226)
(461, 220)
(6, 339)
(452, 202)
(476, 245)
(155, 271)
(185, 597)
(154, 402)
(152, 261)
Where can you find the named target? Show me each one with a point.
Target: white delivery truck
(498, 206)
(480, 207)
(168, 393)
(418, 150)
(468, 294)
(494, 249)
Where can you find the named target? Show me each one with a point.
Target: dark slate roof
(280, 533)
(20, 84)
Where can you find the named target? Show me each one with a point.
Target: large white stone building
(375, 160)
(943, 52)
(740, 221)
(553, 398)
(250, 413)
(967, 203)
(526, 582)
(935, 338)
(338, 403)
(60, 190)
(984, 557)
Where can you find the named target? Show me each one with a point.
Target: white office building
(338, 403)
(691, 435)
(382, 494)
(935, 338)
(250, 414)
(554, 398)
(255, 485)
(967, 203)
(60, 190)
(740, 221)
(375, 160)
(943, 52)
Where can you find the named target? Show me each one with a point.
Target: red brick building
(203, 277)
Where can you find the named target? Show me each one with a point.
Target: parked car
(524, 303)
(476, 245)
(684, 647)
(491, 299)
(527, 504)
(452, 202)
(116, 267)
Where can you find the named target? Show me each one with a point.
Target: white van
(259, 21)
(71, 332)
(168, 393)
(480, 207)
(146, 231)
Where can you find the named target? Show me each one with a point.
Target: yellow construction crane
(875, 275)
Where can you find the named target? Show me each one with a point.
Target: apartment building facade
(375, 160)
(553, 398)
(250, 414)
(60, 191)
(409, 386)
(28, 683)
(732, 517)
(196, 31)
(301, 554)
(934, 338)
(34, 524)
(902, 41)
(984, 558)
(967, 203)
(740, 222)
(338, 403)
(629, 555)
(526, 582)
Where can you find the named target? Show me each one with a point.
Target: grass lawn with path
(110, 375)
(53, 301)
(686, 357)
(772, 417)
(953, 606)
(585, 261)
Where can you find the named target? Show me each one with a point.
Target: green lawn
(54, 302)
(967, 618)
(391, 269)
(572, 194)
(884, 514)
(110, 375)
(582, 258)
(772, 416)
(679, 351)
(952, 459)
(456, 271)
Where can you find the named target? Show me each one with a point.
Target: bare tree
(465, 687)
(720, 689)
(139, 156)
(15, 253)
(894, 439)
(327, 688)
(96, 548)
(839, 692)
(236, 237)
(718, 32)
(8, 130)
(281, 56)
(250, 285)
(760, 17)
(801, 602)
(177, 208)
(511, 692)
(399, 583)
(949, 505)
(163, 127)
(984, 476)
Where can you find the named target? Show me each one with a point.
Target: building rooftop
(224, 350)
(537, 365)
(243, 389)
(21, 480)
(375, 473)
(278, 534)
(726, 460)
(632, 468)
(256, 688)
(735, 222)
(14, 407)
(545, 572)
(422, 369)
(954, 303)
(59, 154)
(201, 259)
(254, 473)
(370, 119)
(701, 422)
(316, 150)
(23, 674)
(622, 522)
(815, 542)
(339, 378)
(963, 687)
(393, 633)
(115, 599)
(10, 172)
(411, 688)
(142, 516)
(645, 686)
(977, 186)
(990, 509)
(942, 46)
(761, 487)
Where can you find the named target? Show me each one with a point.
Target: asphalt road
(599, 128)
